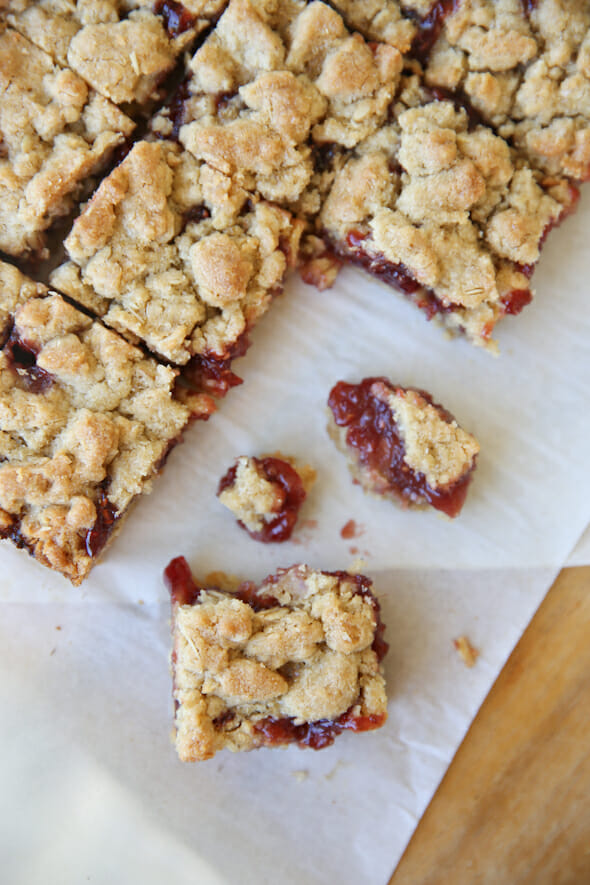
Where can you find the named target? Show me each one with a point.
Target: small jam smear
(177, 18)
(315, 735)
(106, 516)
(290, 497)
(211, 373)
(429, 28)
(22, 359)
(179, 580)
(351, 530)
(373, 434)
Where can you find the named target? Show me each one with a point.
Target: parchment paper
(91, 788)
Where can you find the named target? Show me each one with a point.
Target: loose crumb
(468, 653)
(300, 775)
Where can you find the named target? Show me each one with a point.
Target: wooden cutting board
(514, 806)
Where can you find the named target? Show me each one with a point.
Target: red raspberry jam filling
(315, 735)
(290, 497)
(177, 19)
(429, 28)
(22, 359)
(106, 517)
(212, 373)
(181, 585)
(373, 434)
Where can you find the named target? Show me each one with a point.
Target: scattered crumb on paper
(468, 653)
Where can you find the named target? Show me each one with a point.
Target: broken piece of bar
(87, 421)
(293, 660)
(55, 134)
(265, 495)
(401, 445)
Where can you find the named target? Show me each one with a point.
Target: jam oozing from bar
(315, 735)
(179, 580)
(13, 533)
(177, 19)
(515, 300)
(290, 497)
(249, 593)
(106, 517)
(22, 359)
(378, 265)
(373, 433)
(210, 373)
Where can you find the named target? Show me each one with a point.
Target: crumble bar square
(86, 423)
(402, 445)
(445, 210)
(294, 660)
(172, 253)
(266, 494)
(525, 67)
(122, 48)
(55, 134)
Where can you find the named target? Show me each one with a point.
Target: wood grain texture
(514, 806)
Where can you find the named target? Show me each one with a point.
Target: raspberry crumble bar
(294, 660)
(265, 495)
(402, 445)
(122, 48)
(55, 134)
(172, 253)
(86, 423)
(445, 211)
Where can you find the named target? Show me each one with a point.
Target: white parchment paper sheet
(91, 787)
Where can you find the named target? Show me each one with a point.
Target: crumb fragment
(266, 494)
(468, 652)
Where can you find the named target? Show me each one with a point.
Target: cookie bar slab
(86, 422)
(294, 660)
(173, 254)
(55, 134)
(266, 495)
(525, 68)
(272, 81)
(122, 48)
(446, 211)
(402, 445)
